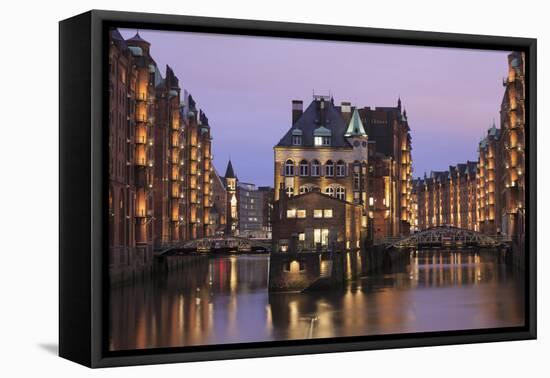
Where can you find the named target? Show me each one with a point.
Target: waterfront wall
(306, 271)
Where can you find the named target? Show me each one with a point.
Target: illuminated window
(317, 213)
(301, 213)
(321, 141)
(327, 213)
(341, 193)
(329, 191)
(320, 236)
(289, 191)
(371, 201)
(291, 213)
(301, 236)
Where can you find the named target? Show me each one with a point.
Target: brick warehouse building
(446, 198)
(493, 203)
(489, 190)
(513, 126)
(315, 221)
(327, 151)
(159, 160)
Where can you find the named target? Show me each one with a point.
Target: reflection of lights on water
(268, 318)
(348, 265)
(293, 312)
(181, 311)
(233, 273)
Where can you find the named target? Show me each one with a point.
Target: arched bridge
(448, 236)
(219, 244)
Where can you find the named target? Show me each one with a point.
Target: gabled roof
(355, 126)
(310, 120)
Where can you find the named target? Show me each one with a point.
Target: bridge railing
(392, 240)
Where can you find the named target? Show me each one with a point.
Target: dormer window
(322, 136)
(322, 141)
(296, 137)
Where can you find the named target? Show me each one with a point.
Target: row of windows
(317, 141)
(301, 213)
(304, 168)
(338, 192)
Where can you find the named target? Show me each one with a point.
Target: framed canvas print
(233, 188)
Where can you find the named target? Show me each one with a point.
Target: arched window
(289, 191)
(329, 168)
(329, 191)
(289, 168)
(340, 168)
(304, 168)
(305, 189)
(315, 168)
(341, 193)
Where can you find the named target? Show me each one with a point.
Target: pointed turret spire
(355, 126)
(399, 103)
(229, 172)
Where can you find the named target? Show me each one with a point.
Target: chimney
(322, 120)
(345, 109)
(297, 110)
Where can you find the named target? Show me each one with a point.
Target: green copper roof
(355, 126)
(322, 131)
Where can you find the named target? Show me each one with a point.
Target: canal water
(217, 300)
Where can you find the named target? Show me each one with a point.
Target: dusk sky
(245, 86)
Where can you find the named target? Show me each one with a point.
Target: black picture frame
(82, 196)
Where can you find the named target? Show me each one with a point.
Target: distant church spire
(229, 172)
